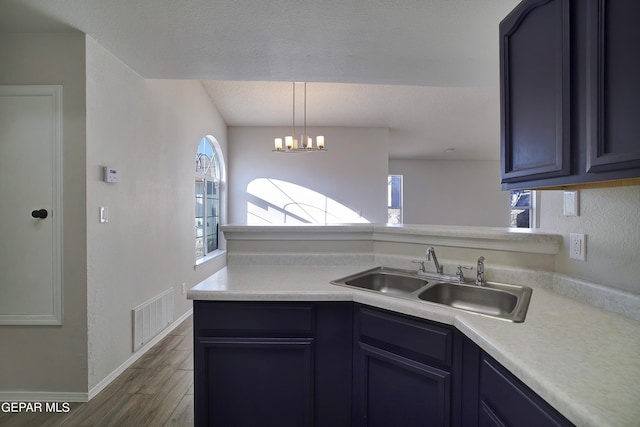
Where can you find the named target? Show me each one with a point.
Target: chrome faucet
(480, 272)
(421, 269)
(431, 253)
(460, 274)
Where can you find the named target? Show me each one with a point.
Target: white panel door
(30, 204)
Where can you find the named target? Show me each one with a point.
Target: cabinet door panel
(391, 390)
(504, 400)
(613, 85)
(535, 91)
(247, 382)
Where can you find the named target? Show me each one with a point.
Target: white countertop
(581, 359)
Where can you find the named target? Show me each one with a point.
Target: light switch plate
(570, 203)
(578, 246)
(104, 214)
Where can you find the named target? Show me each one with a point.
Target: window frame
(534, 202)
(218, 180)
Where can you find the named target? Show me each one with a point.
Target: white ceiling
(427, 69)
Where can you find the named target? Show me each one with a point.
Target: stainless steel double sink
(498, 300)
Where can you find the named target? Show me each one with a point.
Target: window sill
(202, 262)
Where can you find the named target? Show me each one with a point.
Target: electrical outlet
(578, 246)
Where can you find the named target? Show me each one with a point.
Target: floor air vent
(151, 317)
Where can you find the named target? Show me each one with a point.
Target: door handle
(40, 213)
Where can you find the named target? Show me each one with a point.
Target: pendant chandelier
(305, 143)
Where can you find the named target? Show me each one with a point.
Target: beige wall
(444, 192)
(610, 217)
(54, 358)
(353, 172)
(468, 193)
(149, 131)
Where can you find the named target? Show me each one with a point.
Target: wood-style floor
(157, 390)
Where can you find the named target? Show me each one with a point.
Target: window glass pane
(214, 168)
(206, 161)
(521, 208)
(199, 228)
(394, 199)
(521, 198)
(200, 247)
(212, 217)
(212, 243)
(199, 199)
(199, 223)
(395, 191)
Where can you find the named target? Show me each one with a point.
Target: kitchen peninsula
(582, 360)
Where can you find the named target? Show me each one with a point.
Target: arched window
(208, 186)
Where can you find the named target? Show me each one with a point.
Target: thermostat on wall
(110, 174)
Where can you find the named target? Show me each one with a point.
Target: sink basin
(385, 280)
(498, 300)
(502, 301)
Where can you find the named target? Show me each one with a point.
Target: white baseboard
(43, 396)
(137, 355)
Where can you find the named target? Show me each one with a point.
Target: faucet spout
(431, 253)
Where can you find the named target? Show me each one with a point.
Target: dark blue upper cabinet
(614, 85)
(535, 54)
(569, 93)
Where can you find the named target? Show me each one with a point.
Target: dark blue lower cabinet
(402, 370)
(252, 380)
(391, 390)
(284, 364)
(506, 401)
(340, 364)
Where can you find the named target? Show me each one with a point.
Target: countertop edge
(500, 238)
